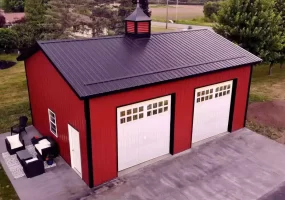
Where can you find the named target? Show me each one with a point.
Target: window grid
(52, 122)
(131, 114)
(204, 95)
(222, 90)
(209, 94)
(157, 107)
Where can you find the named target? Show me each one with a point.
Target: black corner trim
(249, 84)
(172, 122)
(27, 81)
(232, 108)
(89, 142)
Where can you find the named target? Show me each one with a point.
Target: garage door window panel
(146, 136)
(211, 110)
(132, 114)
(204, 95)
(223, 90)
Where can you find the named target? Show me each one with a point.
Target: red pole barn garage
(123, 100)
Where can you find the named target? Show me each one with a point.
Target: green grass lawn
(156, 29)
(13, 103)
(199, 21)
(184, 14)
(14, 96)
(266, 88)
(7, 192)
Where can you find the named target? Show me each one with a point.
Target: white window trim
(54, 123)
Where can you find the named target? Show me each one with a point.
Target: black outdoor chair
(34, 168)
(19, 128)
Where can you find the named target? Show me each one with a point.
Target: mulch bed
(6, 64)
(268, 113)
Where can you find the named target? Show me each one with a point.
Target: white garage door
(143, 131)
(211, 111)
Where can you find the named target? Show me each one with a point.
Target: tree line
(53, 19)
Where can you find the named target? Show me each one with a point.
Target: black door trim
(172, 123)
(89, 142)
(232, 108)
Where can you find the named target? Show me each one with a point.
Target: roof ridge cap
(78, 40)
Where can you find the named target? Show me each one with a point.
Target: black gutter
(27, 81)
(89, 142)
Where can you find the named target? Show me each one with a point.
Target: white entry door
(74, 143)
(143, 131)
(211, 110)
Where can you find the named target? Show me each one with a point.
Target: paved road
(179, 26)
(238, 166)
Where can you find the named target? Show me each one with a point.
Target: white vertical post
(176, 9)
(166, 14)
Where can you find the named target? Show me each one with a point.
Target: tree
(96, 16)
(125, 8)
(8, 39)
(60, 19)
(211, 10)
(280, 8)
(26, 35)
(254, 25)
(2, 21)
(145, 6)
(13, 5)
(35, 11)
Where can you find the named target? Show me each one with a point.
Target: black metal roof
(138, 15)
(102, 65)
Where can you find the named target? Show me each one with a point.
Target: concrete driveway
(241, 165)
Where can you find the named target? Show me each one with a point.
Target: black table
(23, 156)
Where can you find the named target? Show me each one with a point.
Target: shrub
(26, 35)
(8, 39)
(2, 21)
(211, 10)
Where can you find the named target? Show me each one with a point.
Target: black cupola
(138, 24)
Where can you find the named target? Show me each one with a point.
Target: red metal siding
(49, 90)
(103, 115)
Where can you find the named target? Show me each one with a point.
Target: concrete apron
(167, 156)
(241, 165)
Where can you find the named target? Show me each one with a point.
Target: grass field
(14, 96)
(266, 88)
(157, 29)
(186, 14)
(7, 191)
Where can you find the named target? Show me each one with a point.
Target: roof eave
(29, 52)
(160, 82)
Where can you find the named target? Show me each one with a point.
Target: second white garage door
(211, 110)
(143, 131)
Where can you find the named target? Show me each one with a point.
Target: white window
(52, 122)
(131, 114)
